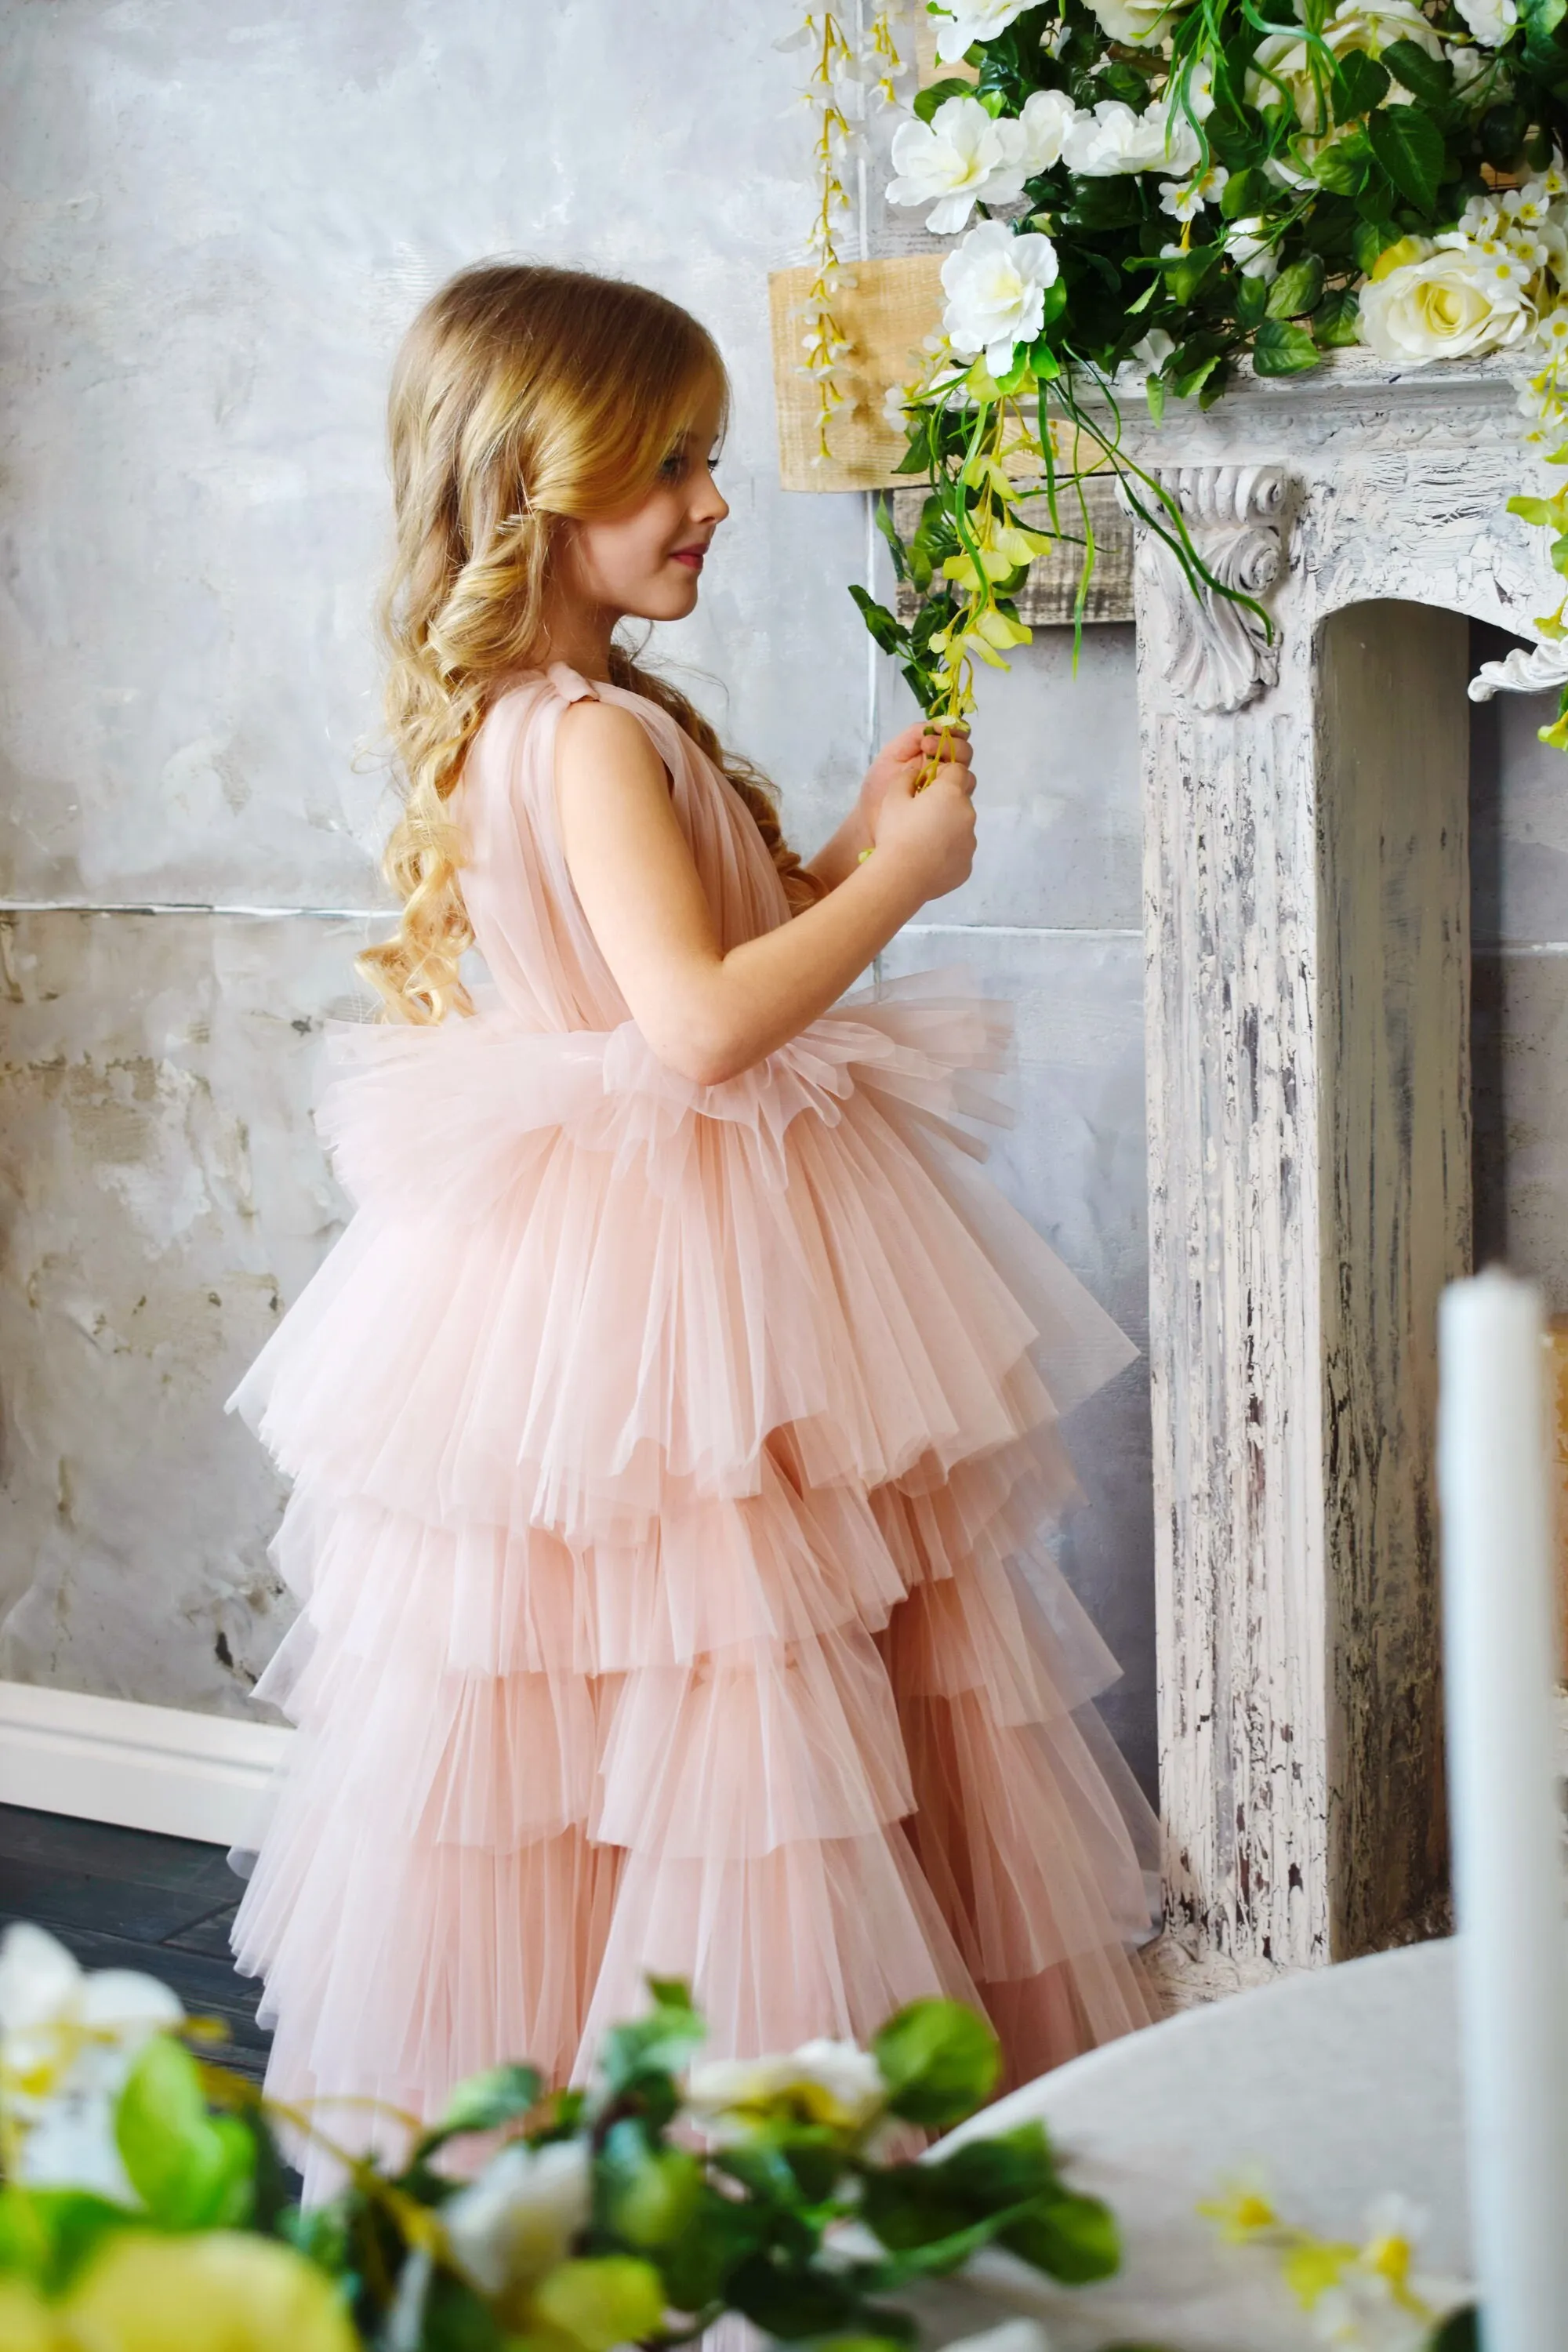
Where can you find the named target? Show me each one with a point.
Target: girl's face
(647, 560)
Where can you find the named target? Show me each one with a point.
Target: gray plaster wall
(217, 219)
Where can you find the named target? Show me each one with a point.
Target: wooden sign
(887, 312)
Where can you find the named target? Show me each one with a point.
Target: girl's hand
(918, 743)
(929, 834)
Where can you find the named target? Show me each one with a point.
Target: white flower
(68, 2039)
(1282, 61)
(837, 2081)
(1428, 301)
(964, 22)
(995, 286)
(1044, 123)
(1137, 24)
(1113, 139)
(1183, 198)
(1491, 21)
(960, 154)
(518, 2220)
(1469, 65)
(1154, 349)
(1248, 245)
(1011, 2335)
(62, 2028)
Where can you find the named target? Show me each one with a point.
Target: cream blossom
(1044, 124)
(1154, 349)
(518, 2220)
(67, 2040)
(1283, 62)
(835, 2082)
(1184, 198)
(995, 287)
(1441, 299)
(959, 156)
(1137, 23)
(1250, 248)
(1113, 139)
(1490, 21)
(964, 22)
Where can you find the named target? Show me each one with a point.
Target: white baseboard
(145, 1768)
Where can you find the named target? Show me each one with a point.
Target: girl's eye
(674, 466)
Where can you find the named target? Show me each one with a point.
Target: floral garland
(143, 2202)
(1151, 191)
(876, 64)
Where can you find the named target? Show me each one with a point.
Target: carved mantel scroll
(1306, 904)
(1222, 657)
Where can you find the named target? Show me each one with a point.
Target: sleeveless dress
(670, 1464)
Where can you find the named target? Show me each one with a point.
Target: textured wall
(217, 220)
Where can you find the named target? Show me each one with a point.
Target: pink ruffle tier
(670, 1465)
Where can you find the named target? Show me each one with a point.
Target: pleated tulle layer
(583, 1286)
(671, 1465)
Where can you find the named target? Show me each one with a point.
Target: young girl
(673, 1427)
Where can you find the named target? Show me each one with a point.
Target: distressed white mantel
(1306, 882)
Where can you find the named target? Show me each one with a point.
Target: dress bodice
(528, 924)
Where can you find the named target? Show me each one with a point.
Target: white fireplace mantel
(1307, 935)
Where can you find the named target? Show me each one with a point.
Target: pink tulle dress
(671, 1465)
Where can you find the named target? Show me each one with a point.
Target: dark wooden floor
(126, 1899)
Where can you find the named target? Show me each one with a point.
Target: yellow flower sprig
(1347, 2288)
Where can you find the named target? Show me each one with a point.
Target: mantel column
(1306, 876)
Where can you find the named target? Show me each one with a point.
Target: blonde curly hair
(524, 398)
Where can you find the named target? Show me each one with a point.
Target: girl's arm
(706, 1013)
(840, 853)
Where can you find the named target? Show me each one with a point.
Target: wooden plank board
(892, 307)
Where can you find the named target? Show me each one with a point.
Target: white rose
(1491, 21)
(960, 154)
(1113, 139)
(995, 287)
(518, 2220)
(1370, 24)
(1137, 24)
(837, 2081)
(1442, 301)
(1044, 123)
(964, 22)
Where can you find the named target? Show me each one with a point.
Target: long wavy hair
(525, 398)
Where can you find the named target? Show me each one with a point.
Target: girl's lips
(691, 556)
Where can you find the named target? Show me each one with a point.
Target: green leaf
(1334, 320)
(47, 2234)
(1280, 347)
(1359, 84)
(1245, 192)
(602, 2300)
(1154, 393)
(1297, 289)
(1112, 203)
(1369, 240)
(928, 100)
(1461, 2332)
(885, 628)
(647, 2195)
(1429, 79)
(1251, 299)
(882, 514)
(191, 2170)
(502, 2095)
(1342, 166)
(1184, 382)
(1542, 512)
(1409, 146)
(939, 2059)
(1074, 2239)
(792, 2304)
(1007, 2170)
(1186, 279)
(1542, 18)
